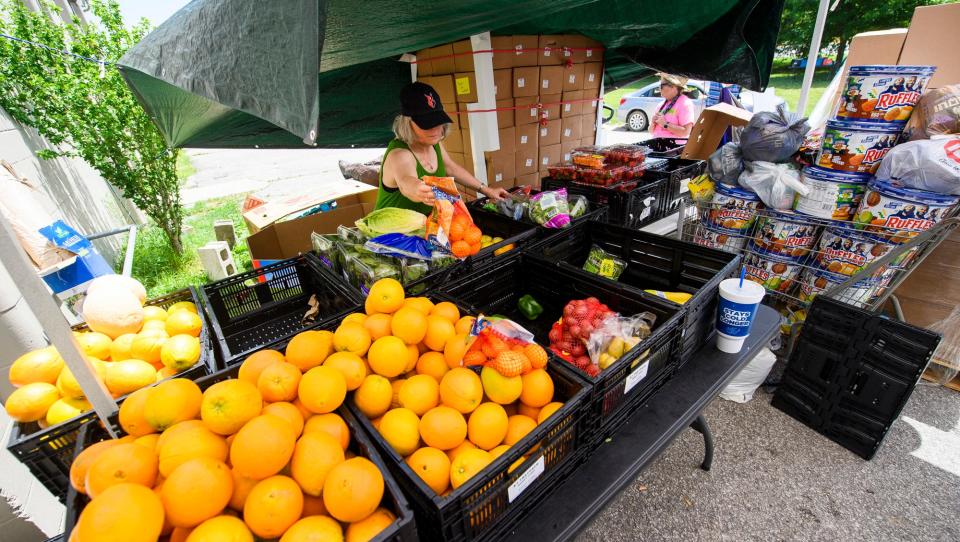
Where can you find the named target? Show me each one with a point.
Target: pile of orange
(447, 421)
(48, 393)
(465, 236)
(263, 455)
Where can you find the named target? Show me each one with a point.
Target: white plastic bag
(742, 387)
(776, 184)
(927, 164)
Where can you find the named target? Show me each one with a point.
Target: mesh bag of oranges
(504, 346)
(450, 226)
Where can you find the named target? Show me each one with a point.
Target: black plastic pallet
(852, 372)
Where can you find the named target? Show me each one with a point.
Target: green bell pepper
(529, 307)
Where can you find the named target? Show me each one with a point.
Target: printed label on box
(498, 177)
(519, 49)
(543, 132)
(566, 157)
(566, 107)
(567, 132)
(528, 162)
(589, 53)
(546, 51)
(546, 83)
(463, 85)
(521, 82)
(523, 140)
(572, 79)
(546, 160)
(591, 78)
(567, 52)
(533, 111)
(636, 376)
(525, 479)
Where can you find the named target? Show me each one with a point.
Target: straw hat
(675, 80)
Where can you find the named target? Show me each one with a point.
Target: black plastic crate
(851, 373)
(493, 502)
(403, 529)
(654, 262)
(49, 452)
(260, 307)
(631, 203)
(596, 212)
(621, 388)
(678, 172)
(664, 147)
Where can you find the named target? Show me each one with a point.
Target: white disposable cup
(735, 312)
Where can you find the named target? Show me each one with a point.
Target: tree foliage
(850, 18)
(85, 109)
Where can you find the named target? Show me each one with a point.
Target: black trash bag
(725, 164)
(773, 137)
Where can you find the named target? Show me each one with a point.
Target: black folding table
(612, 467)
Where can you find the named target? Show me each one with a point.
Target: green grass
(787, 85)
(612, 98)
(184, 167)
(162, 271)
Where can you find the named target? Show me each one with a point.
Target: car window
(652, 93)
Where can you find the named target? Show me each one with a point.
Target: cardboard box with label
(708, 130)
(527, 139)
(933, 40)
(286, 239)
(503, 84)
(465, 86)
(525, 50)
(549, 156)
(573, 77)
(502, 52)
(529, 179)
(505, 113)
(566, 148)
(508, 139)
(592, 102)
(501, 168)
(551, 105)
(570, 130)
(526, 81)
(551, 52)
(443, 84)
(551, 79)
(441, 58)
(526, 111)
(572, 106)
(526, 163)
(588, 126)
(463, 56)
(592, 75)
(584, 49)
(549, 133)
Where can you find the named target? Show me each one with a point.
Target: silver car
(636, 109)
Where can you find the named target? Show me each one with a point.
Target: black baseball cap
(422, 104)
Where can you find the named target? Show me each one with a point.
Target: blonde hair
(403, 129)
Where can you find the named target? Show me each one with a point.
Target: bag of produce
(350, 235)
(725, 164)
(772, 137)
(450, 226)
(776, 184)
(549, 209)
(400, 246)
(927, 164)
(616, 335)
(392, 220)
(600, 262)
(579, 206)
(514, 206)
(504, 346)
(326, 247)
(937, 113)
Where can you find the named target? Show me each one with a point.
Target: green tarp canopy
(296, 73)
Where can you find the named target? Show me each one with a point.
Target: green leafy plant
(83, 108)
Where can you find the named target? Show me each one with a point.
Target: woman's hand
(425, 194)
(659, 120)
(496, 194)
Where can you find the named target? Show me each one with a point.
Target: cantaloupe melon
(117, 283)
(113, 312)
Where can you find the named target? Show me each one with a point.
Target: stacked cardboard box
(540, 83)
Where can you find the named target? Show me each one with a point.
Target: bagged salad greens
(327, 249)
(549, 209)
(600, 262)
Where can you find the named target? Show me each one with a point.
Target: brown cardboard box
(570, 130)
(923, 304)
(526, 163)
(526, 81)
(573, 77)
(870, 48)
(441, 57)
(508, 140)
(584, 49)
(549, 133)
(549, 156)
(588, 141)
(443, 84)
(503, 84)
(451, 111)
(527, 139)
(463, 62)
(551, 105)
(467, 145)
(454, 140)
(588, 126)
(551, 79)
(933, 40)
(346, 192)
(566, 148)
(573, 107)
(463, 118)
(530, 179)
(501, 169)
(592, 75)
(290, 238)
(502, 51)
(590, 108)
(525, 51)
(526, 111)
(709, 128)
(550, 52)
(505, 114)
(424, 66)
(465, 85)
